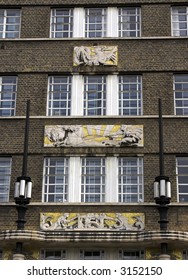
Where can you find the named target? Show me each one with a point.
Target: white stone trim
(77, 95)
(112, 95)
(78, 23)
(111, 179)
(74, 179)
(112, 22)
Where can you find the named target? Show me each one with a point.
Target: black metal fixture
(23, 185)
(162, 185)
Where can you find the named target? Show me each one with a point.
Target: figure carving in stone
(99, 55)
(94, 135)
(91, 221)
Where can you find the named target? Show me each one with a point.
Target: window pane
(130, 95)
(181, 94)
(10, 23)
(129, 22)
(93, 180)
(130, 179)
(59, 96)
(53, 254)
(182, 178)
(180, 21)
(131, 255)
(5, 173)
(8, 88)
(94, 95)
(61, 23)
(56, 179)
(92, 254)
(95, 22)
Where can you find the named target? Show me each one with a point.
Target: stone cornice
(93, 236)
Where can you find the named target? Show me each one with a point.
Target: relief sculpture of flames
(93, 135)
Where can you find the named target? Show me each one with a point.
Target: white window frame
(96, 180)
(125, 173)
(137, 22)
(4, 23)
(111, 94)
(181, 175)
(184, 92)
(62, 254)
(176, 32)
(53, 22)
(5, 178)
(9, 100)
(109, 191)
(90, 82)
(103, 30)
(130, 93)
(57, 175)
(51, 100)
(110, 22)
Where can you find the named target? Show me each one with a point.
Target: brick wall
(34, 59)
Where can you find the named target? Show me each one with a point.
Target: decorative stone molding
(117, 236)
(93, 135)
(18, 257)
(164, 257)
(92, 221)
(95, 55)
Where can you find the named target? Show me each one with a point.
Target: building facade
(93, 73)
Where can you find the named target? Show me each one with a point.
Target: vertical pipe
(25, 154)
(161, 153)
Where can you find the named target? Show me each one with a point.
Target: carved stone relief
(96, 55)
(93, 135)
(94, 221)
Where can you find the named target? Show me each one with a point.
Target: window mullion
(111, 179)
(78, 22)
(112, 95)
(4, 23)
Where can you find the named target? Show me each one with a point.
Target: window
(180, 21)
(131, 255)
(56, 179)
(99, 95)
(62, 23)
(79, 22)
(9, 23)
(95, 22)
(53, 254)
(8, 88)
(185, 254)
(129, 22)
(59, 96)
(95, 254)
(182, 178)
(5, 173)
(130, 179)
(94, 95)
(130, 95)
(93, 180)
(181, 94)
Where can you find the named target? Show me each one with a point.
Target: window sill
(94, 39)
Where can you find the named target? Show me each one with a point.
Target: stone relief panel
(92, 221)
(95, 55)
(93, 135)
